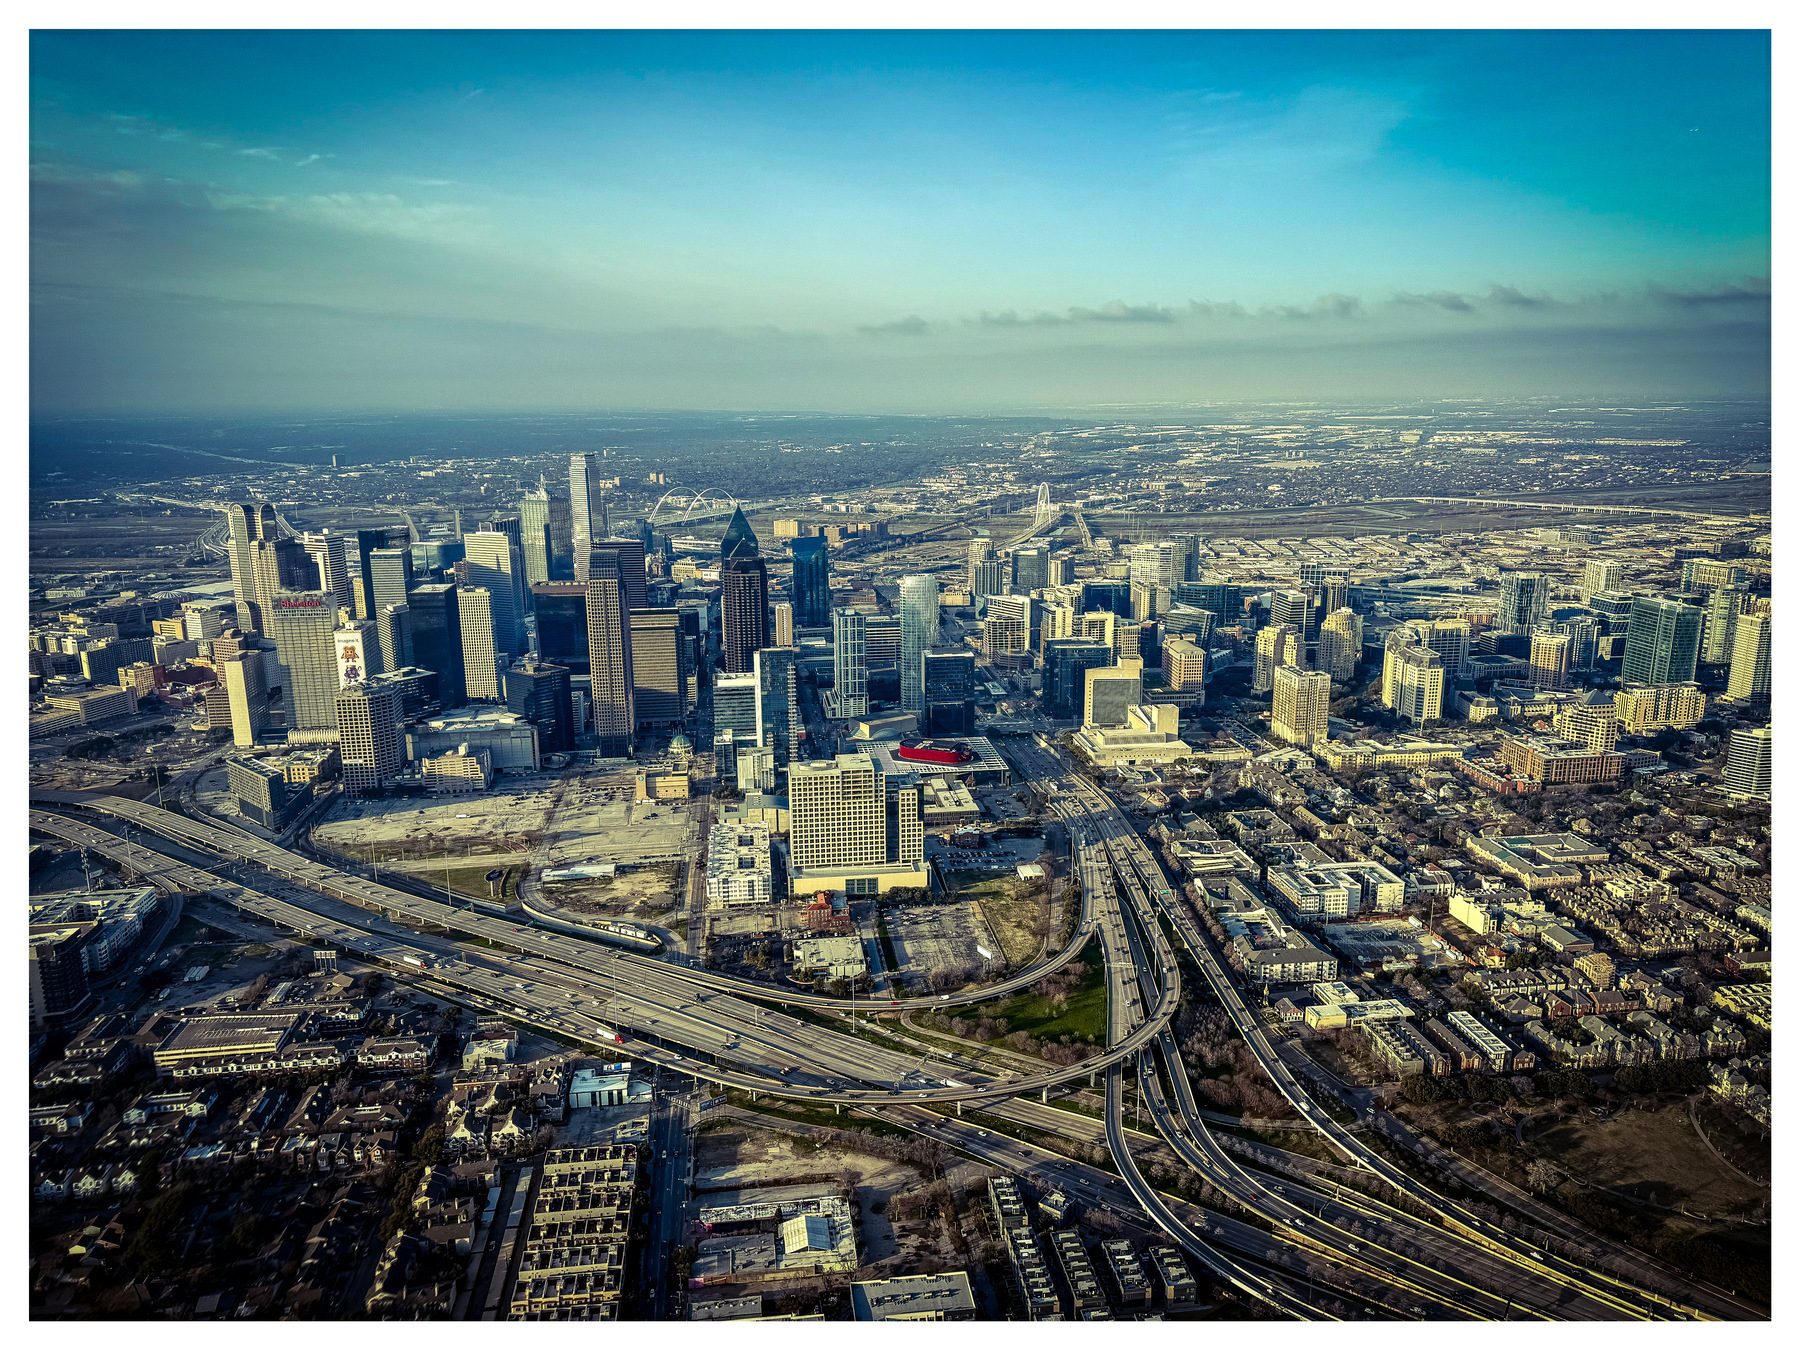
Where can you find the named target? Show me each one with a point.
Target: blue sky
(326, 220)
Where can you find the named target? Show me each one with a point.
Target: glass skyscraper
(812, 582)
(918, 635)
(1662, 645)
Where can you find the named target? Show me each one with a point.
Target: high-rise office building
(980, 550)
(1112, 596)
(948, 700)
(1301, 707)
(561, 608)
(1751, 664)
(841, 824)
(280, 565)
(849, 695)
(490, 557)
(1066, 663)
(812, 582)
(1550, 659)
(610, 667)
(1662, 644)
(437, 638)
(1718, 632)
(302, 625)
(358, 651)
(918, 635)
(734, 706)
(248, 523)
(743, 596)
(1030, 569)
(394, 632)
(390, 578)
(539, 692)
(1584, 641)
(1524, 601)
(783, 615)
(1183, 665)
(1412, 680)
(1600, 574)
(370, 745)
(247, 689)
(1295, 610)
(631, 555)
(778, 725)
(1148, 601)
(1276, 646)
(482, 659)
(330, 554)
(1750, 765)
(658, 687)
(1340, 644)
(536, 535)
(1111, 692)
(583, 496)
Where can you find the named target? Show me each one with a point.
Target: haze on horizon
(912, 222)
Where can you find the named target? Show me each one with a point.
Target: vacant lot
(1649, 1155)
(949, 940)
(1016, 912)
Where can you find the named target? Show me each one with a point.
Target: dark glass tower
(740, 540)
(744, 596)
(609, 654)
(812, 582)
(540, 692)
(437, 638)
(949, 694)
(562, 624)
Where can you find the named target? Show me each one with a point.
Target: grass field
(472, 881)
(1082, 1017)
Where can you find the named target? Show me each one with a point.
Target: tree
(1542, 1177)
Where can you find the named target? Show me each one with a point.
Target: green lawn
(1082, 1017)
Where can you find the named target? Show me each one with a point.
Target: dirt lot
(1650, 1155)
(1016, 912)
(644, 893)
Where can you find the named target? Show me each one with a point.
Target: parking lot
(945, 940)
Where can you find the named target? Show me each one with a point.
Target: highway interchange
(1297, 1251)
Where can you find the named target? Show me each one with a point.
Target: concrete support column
(959, 1107)
(1046, 1096)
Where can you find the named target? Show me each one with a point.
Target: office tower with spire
(743, 596)
(583, 496)
(482, 658)
(539, 692)
(437, 638)
(849, 696)
(1662, 643)
(1750, 765)
(610, 670)
(1600, 574)
(1301, 707)
(1524, 601)
(812, 582)
(303, 625)
(1340, 644)
(1751, 663)
(918, 635)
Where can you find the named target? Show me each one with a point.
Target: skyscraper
(368, 717)
(302, 625)
(1662, 645)
(1751, 664)
(918, 635)
(1750, 766)
(1030, 569)
(842, 821)
(949, 694)
(610, 667)
(437, 638)
(481, 658)
(1412, 682)
(630, 553)
(734, 706)
(581, 518)
(1066, 663)
(241, 675)
(1112, 691)
(490, 557)
(331, 556)
(783, 615)
(539, 692)
(534, 536)
(1302, 703)
(248, 522)
(1183, 665)
(987, 577)
(1276, 646)
(1550, 659)
(562, 623)
(980, 550)
(849, 695)
(1600, 574)
(1295, 609)
(1340, 644)
(1722, 607)
(658, 687)
(1524, 600)
(390, 578)
(778, 725)
(394, 633)
(812, 582)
